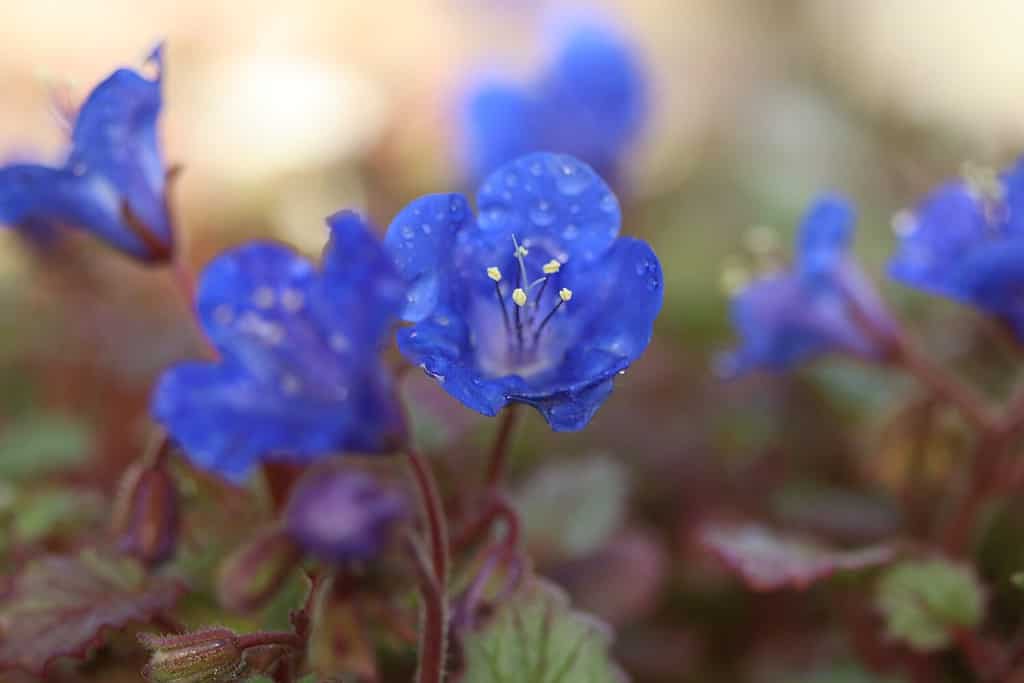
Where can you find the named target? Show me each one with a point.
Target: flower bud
(207, 656)
(146, 514)
(342, 515)
(253, 574)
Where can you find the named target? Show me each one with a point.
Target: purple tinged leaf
(59, 605)
(767, 560)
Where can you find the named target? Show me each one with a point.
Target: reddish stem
(944, 385)
(265, 638)
(434, 632)
(497, 464)
(437, 528)
(981, 483)
(496, 508)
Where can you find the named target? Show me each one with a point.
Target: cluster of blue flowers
(532, 298)
(535, 299)
(964, 241)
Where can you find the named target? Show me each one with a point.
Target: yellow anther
(494, 273)
(551, 267)
(521, 251)
(519, 296)
(565, 294)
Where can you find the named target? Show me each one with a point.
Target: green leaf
(924, 601)
(59, 605)
(835, 673)
(35, 446)
(536, 638)
(571, 508)
(45, 512)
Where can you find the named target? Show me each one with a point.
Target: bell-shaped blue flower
(966, 242)
(590, 102)
(823, 304)
(537, 301)
(343, 515)
(299, 374)
(113, 180)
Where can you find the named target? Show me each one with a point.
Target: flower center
(526, 324)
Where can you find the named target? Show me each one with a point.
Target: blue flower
(591, 102)
(343, 516)
(823, 304)
(299, 374)
(112, 182)
(537, 301)
(966, 243)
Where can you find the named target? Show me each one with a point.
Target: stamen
(519, 253)
(519, 298)
(552, 267)
(495, 274)
(564, 295)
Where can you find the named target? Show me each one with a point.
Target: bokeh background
(282, 113)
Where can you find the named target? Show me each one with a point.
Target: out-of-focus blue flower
(537, 301)
(823, 304)
(967, 243)
(299, 374)
(113, 179)
(343, 516)
(590, 102)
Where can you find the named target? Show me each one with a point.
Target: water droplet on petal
(609, 204)
(339, 342)
(263, 297)
(571, 179)
(541, 215)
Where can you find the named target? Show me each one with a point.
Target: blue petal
(946, 225)
(825, 234)
(38, 195)
(571, 411)
(360, 288)
(784, 321)
(991, 277)
(421, 240)
(552, 201)
(593, 98)
(1013, 198)
(623, 296)
(115, 137)
(498, 122)
(446, 356)
(299, 375)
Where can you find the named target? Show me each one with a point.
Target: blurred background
(282, 113)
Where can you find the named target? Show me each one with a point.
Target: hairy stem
(262, 639)
(433, 511)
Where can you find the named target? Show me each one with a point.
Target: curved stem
(980, 484)
(437, 528)
(945, 386)
(497, 463)
(434, 632)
